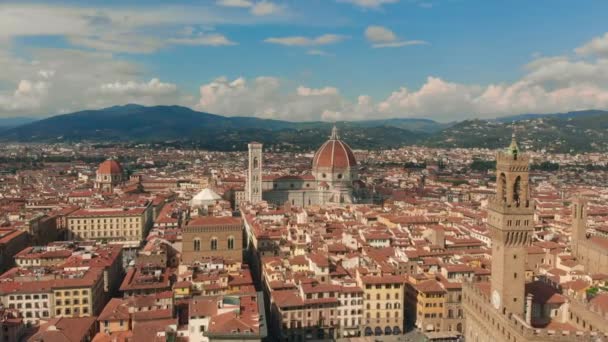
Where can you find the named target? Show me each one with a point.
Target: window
(197, 244)
(213, 244)
(231, 242)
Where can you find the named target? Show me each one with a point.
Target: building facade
(110, 224)
(212, 237)
(590, 251)
(383, 301)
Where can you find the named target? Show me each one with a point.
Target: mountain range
(563, 132)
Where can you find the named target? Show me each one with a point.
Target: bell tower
(254, 173)
(579, 223)
(511, 222)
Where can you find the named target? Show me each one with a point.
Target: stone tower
(579, 223)
(511, 222)
(254, 173)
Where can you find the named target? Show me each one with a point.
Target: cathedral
(333, 179)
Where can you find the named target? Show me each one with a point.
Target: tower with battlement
(511, 223)
(507, 308)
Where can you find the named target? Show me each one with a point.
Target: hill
(177, 124)
(10, 122)
(565, 133)
(575, 114)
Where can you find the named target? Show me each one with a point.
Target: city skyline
(301, 61)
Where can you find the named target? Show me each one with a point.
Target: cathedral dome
(334, 154)
(109, 167)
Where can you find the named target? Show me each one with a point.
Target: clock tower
(511, 222)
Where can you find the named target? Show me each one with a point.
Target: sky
(303, 60)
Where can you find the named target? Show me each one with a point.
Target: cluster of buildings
(339, 244)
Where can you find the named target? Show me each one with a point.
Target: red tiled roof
(110, 167)
(214, 220)
(334, 154)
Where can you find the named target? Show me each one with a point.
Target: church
(333, 179)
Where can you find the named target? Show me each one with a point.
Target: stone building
(507, 308)
(333, 179)
(213, 237)
(590, 251)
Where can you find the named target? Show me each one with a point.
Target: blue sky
(306, 60)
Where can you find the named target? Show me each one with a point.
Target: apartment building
(383, 304)
(110, 224)
(40, 294)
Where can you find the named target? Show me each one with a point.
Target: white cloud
(125, 29)
(597, 46)
(382, 37)
(118, 43)
(317, 52)
(305, 91)
(379, 34)
(369, 3)
(260, 8)
(549, 85)
(325, 39)
(28, 95)
(266, 97)
(235, 3)
(213, 39)
(60, 80)
(399, 44)
(153, 87)
(265, 8)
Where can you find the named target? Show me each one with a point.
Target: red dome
(110, 167)
(334, 154)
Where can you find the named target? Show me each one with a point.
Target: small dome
(110, 167)
(206, 196)
(334, 154)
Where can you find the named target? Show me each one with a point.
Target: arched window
(502, 187)
(231, 242)
(255, 162)
(197, 244)
(213, 243)
(517, 190)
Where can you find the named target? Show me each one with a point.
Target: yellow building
(80, 299)
(109, 224)
(383, 305)
(430, 305)
(57, 293)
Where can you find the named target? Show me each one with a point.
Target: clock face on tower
(496, 300)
